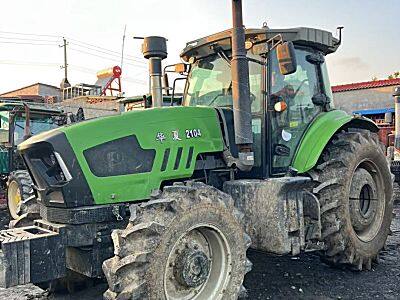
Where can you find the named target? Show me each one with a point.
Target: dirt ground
(282, 277)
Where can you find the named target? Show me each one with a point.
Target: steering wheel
(215, 98)
(299, 88)
(252, 98)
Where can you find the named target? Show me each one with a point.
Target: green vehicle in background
(20, 120)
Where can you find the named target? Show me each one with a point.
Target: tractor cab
(19, 121)
(289, 87)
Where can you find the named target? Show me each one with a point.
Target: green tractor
(165, 202)
(19, 121)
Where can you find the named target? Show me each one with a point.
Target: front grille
(44, 167)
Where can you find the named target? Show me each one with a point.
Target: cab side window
(295, 91)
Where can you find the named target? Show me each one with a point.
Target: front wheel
(354, 186)
(19, 189)
(189, 244)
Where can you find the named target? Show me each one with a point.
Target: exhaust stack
(241, 90)
(154, 48)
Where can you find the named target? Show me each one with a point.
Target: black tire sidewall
(214, 215)
(368, 153)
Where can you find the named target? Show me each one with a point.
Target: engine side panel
(126, 157)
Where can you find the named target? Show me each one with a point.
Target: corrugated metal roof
(365, 85)
(378, 111)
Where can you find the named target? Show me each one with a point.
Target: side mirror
(286, 58)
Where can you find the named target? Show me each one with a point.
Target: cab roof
(34, 107)
(318, 39)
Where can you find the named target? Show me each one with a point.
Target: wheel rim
(366, 196)
(14, 199)
(199, 265)
(367, 201)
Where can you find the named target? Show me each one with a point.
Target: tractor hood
(120, 158)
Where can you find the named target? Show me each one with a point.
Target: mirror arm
(165, 78)
(264, 46)
(315, 58)
(320, 99)
(166, 83)
(173, 89)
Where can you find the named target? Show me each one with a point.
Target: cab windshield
(210, 83)
(38, 124)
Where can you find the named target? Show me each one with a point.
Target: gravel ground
(283, 277)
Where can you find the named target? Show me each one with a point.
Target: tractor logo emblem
(175, 135)
(160, 137)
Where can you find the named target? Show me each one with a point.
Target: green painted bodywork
(4, 166)
(317, 136)
(145, 125)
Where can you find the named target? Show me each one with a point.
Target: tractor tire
(354, 187)
(21, 200)
(165, 251)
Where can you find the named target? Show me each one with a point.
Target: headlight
(63, 167)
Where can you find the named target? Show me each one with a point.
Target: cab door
(294, 92)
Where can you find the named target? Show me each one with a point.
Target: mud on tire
(354, 186)
(165, 250)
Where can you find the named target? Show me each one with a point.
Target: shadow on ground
(283, 277)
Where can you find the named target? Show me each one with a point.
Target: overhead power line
(25, 39)
(140, 59)
(104, 57)
(31, 34)
(56, 65)
(99, 51)
(26, 43)
(28, 63)
(109, 54)
(76, 42)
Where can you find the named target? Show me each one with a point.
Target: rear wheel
(355, 192)
(188, 244)
(19, 194)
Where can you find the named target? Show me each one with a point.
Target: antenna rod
(123, 46)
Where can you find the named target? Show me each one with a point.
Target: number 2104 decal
(192, 133)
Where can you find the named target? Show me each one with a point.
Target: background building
(373, 99)
(365, 97)
(38, 92)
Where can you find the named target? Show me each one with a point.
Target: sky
(31, 32)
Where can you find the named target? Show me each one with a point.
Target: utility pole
(65, 83)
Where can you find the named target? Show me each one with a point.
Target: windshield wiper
(221, 53)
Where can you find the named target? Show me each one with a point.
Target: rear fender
(320, 132)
